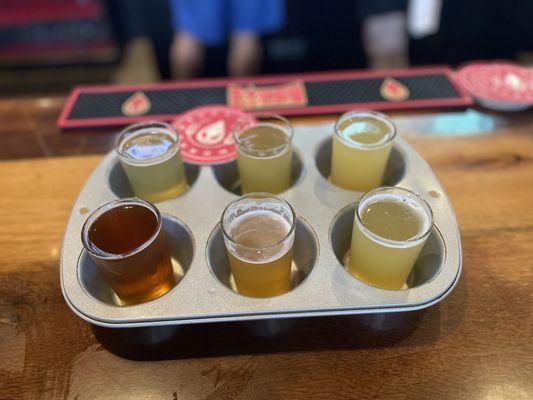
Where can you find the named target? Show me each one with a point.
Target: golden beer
(390, 228)
(259, 237)
(361, 146)
(150, 155)
(264, 154)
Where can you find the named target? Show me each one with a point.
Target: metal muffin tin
(321, 285)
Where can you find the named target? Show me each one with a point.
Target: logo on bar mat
(393, 90)
(251, 97)
(206, 134)
(135, 105)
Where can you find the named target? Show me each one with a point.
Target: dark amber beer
(125, 238)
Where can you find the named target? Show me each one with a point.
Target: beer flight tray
(320, 284)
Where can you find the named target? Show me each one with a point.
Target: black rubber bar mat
(298, 94)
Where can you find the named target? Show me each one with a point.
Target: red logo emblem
(135, 105)
(206, 134)
(393, 90)
(252, 97)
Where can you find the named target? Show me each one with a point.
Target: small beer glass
(126, 240)
(258, 231)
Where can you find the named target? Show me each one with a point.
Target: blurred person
(423, 17)
(199, 24)
(384, 33)
(143, 33)
(457, 31)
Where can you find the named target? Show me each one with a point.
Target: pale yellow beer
(390, 228)
(264, 154)
(150, 155)
(259, 236)
(361, 146)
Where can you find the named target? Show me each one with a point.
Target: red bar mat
(297, 94)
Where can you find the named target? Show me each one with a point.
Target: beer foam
(362, 125)
(271, 243)
(422, 213)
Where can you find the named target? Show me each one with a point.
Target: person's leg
(158, 27)
(196, 23)
(245, 54)
(248, 20)
(186, 56)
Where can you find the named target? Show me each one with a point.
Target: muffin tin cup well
(427, 266)
(181, 248)
(227, 175)
(120, 186)
(325, 213)
(305, 255)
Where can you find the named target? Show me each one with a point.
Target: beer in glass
(390, 228)
(150, 155)
(258, 231)
(126, 240)
(361, 146)
(264, 154)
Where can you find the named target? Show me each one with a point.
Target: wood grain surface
(476, 344)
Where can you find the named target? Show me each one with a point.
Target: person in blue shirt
(199, 24)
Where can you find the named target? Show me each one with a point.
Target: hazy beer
(125, 238)
(150, 155)
(259, 235)
(361, 146)
(390, 228)
(264, 154)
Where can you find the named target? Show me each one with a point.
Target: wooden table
(476, 344)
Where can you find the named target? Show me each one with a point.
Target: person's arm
(384, 33)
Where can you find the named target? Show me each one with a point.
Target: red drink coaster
(498, 85)
(206, 134)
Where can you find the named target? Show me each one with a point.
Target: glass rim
(390, 242)
(288, 129)
(104, 255)
(373, 114)
(131, 129)
(258, 195)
